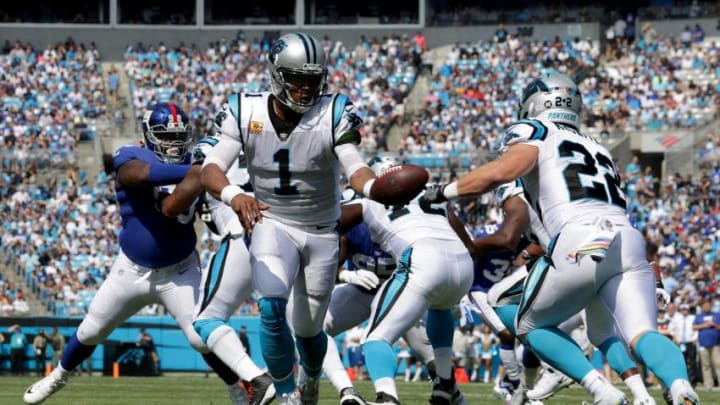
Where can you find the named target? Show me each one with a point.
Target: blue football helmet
(167, 132)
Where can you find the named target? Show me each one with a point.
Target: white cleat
(644, 401)
(686, 393)
(288, 399)
(41, 390)
(309, 389)
(237, 395)
(549, 383)
(610, 395)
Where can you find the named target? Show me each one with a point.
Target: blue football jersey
(365, 254)
(148, 237)
(493, 266)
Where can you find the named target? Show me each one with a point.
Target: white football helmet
(554, 97)
(297, 60)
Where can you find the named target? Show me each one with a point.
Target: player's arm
(184, 194)
(346, 138)
(508, 236)
(138, 167)
(351, 214)
(459, 229)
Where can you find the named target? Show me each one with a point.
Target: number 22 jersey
(574, 179)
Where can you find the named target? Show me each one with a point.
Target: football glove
(434, 194)
(362, 278)
(663, 298)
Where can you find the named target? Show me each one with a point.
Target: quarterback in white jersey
(434, 271)
(296, 140)
(595, 253)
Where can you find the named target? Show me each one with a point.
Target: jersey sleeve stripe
(209, 141)
(339, 104)
(539, 129)
(234, 103)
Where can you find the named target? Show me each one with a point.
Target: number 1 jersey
(574, 179)
(296, 174)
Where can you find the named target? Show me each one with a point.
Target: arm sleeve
(346, 123)
(125, 154)
(227, 120)
(202, 147)
(350, 158)
(529, 132)
(224, 153)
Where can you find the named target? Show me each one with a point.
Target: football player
(296, 139)
(434, 271)
(350, 305)
(157, 262)
(596, 259)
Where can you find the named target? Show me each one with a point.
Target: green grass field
(197, 390)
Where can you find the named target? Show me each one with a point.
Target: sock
(277, 344)
(407, 373)
(334, 369)
(223, 371)
(443, 362)
(510, 361)
(75, 353)
(616, 355)
(530, 375)
(418, 373)
(562, 353)
(486, 376)
(312, 352)
(593, 382)
(637, 387)
(226, 344)
(379, 360)
(386, 385)
(662, 357)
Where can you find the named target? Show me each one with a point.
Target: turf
(197, 390)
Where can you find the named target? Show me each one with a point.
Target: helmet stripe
(307, 48)
(314, 50)
(173, 111)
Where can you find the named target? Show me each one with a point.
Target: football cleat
(350, 396)
(446, 392)
(644, 401)
(685, 393)
(288, 399)
(549, 383)
(260, 390)
(519, 397)
(41, 390)
(610, 395)
(309, 389)
(384, 398)
(237, 395)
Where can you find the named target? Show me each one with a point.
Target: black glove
(434, 194)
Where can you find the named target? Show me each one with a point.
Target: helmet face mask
(380, 164)
(167, 132)
(298, 71)
(554, 97)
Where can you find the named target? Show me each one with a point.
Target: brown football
(399, 184)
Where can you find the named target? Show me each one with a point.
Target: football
(399, 184)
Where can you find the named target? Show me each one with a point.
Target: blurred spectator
(145, 341)
(40, 349)
(353, 338)
(113, 86)
(681, 327)
(707, 323)
(18, 344)
(57, 341)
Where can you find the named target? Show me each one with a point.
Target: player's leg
(311, 296)
(553, 293)
(630, 298)
(349, 306)
(419, 342)
(275, 258)
(123, 293)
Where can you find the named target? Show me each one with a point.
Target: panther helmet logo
(276, 49)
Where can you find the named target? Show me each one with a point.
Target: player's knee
(506, 337)
(196, 341)
(206, 327)
(91, 332)
(272, 313)
(635, 339)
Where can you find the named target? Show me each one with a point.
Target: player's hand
(433, 194)
(248, 210)
(663, 298)
(362, 278)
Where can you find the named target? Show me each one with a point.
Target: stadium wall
(113, 40)
(711, 26)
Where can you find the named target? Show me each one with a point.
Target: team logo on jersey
(256, 127)
(220, 117)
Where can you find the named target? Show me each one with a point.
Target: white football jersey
(574, 179)
(297, 174)
(535, 230)
(396, 229)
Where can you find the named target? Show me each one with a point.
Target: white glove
(362, 278)
(663, 298)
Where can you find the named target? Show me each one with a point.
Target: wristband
(367, 187)
(229, 192)
(450, 191)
